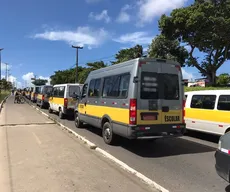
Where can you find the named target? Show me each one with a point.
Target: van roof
(130, 62)
(209, 92)
(67, 84)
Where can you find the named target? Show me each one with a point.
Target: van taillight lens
(43, 97)
(65, 102)
(133, 112)
(184, 101)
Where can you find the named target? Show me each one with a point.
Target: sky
(37, 35)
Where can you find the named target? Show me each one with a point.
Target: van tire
(50, 110)
(107, 133)
(61, 114)
(78, 123)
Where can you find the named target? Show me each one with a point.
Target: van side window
(203, 101)
(84, 91)
(124, 85)
(111, 86)
(94, 88)
(61, 92)
(224, 103)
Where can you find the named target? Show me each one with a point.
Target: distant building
(201, 82)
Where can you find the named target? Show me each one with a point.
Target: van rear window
(149, 85)
(171, 86)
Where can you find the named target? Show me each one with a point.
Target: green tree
(39, 82)
(96, 65)
(223, 79)
(6, 85)
(128, 54)
(164, 48)
(204, 26)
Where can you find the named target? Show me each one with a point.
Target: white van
(208, 111)
(63, 98)
(138, 99)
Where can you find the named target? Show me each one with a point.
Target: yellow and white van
(43, 96)
(63, 98)
(35, 91)
(138, 99)
(208, 111)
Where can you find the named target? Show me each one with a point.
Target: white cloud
(187, 75)
(92, 1)
(149, 9)
(100, 16)
(82, 36)
(28, 76)
(135, 38)
(123, 16)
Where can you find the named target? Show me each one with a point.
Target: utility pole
(1, 68)
(76, 47)
(6, 70)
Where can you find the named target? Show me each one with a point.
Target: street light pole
(76, 47)
(1, 68)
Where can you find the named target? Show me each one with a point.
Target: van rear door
(173, 94)
(159, 93)
(148, 103)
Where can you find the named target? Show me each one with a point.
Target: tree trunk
(212, 77)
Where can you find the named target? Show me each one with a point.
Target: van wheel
(50, 110)
(61, 115)
(107, 134)
(78, 122)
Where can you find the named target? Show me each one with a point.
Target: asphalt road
(178, 164)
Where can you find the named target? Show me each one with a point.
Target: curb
(2, 103)
(93, 146)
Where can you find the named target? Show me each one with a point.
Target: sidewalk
(37, 156)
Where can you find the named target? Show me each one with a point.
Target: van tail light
(133, 112)
(65, 102)
(183, 111)
(178, 67)
(43, 97)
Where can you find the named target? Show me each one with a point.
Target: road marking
(93, 146)
(37, 139)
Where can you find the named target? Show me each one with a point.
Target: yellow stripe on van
(56, 100)
(122, 115)
(116, 114)
(39, 96)
(208, 115)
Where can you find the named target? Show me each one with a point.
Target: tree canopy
(5, 85)
(39, 82)
(128, 54)
(223, 79)
(164, 48)
(203, 26)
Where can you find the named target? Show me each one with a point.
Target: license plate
(149, 117)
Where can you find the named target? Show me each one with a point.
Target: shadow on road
(158, 148)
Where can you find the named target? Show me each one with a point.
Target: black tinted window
(91, 87)
(149, 85)
(224, 103)
(111, 86)
(94, 88)
(84, 90)
(171, 86)
(55, 92)
(124, 85)
(74, 90)
(61, 91)
(203, 101)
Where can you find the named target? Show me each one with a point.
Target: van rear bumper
(156, 131)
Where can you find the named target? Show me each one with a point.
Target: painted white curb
(121, 164)
(3, 101)
(131, 170)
